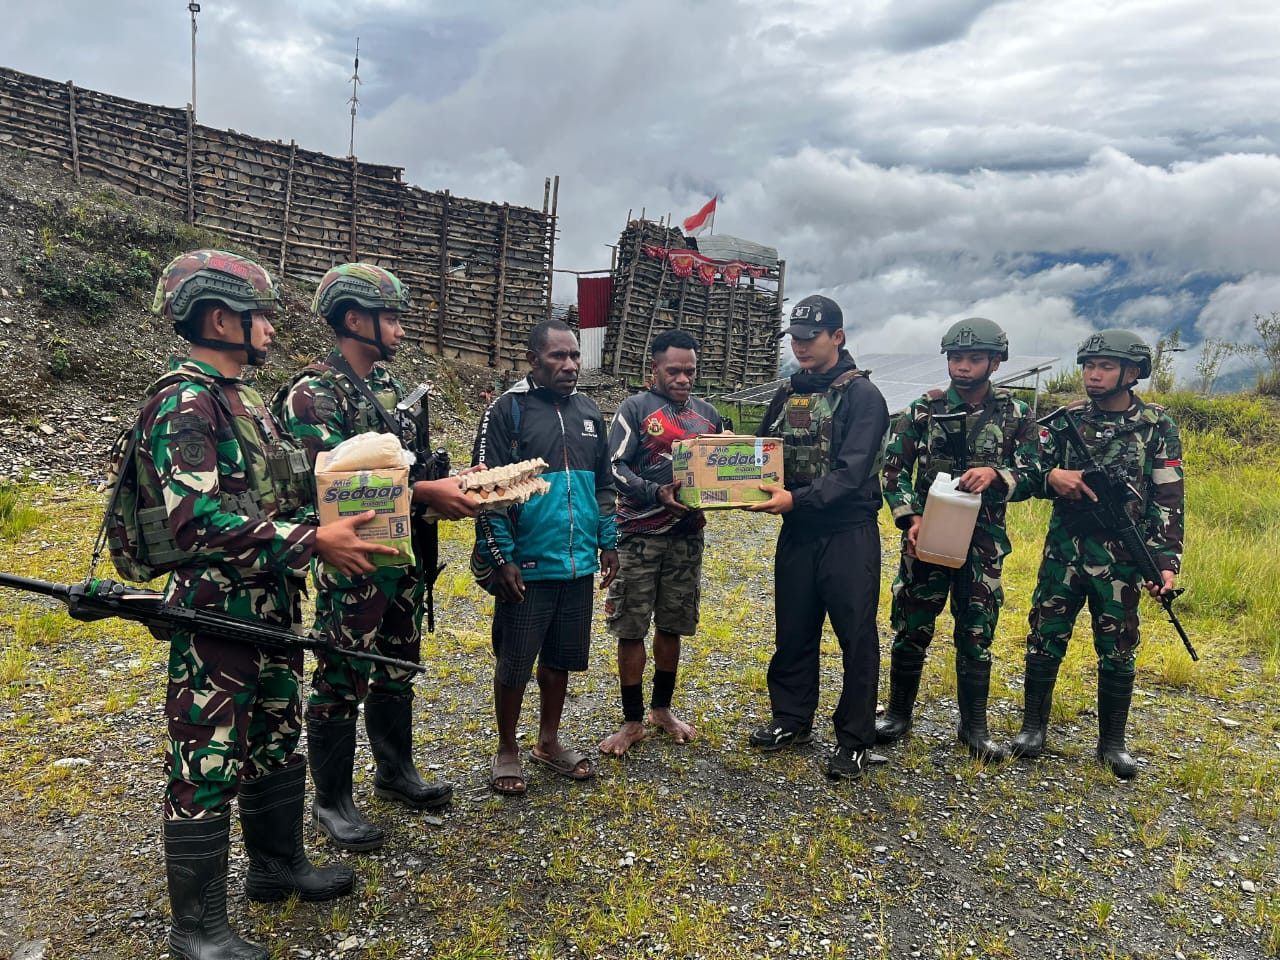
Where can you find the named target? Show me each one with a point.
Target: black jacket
(849, 494)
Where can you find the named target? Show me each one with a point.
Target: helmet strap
(375, 340)
(982, 380)
(253, 356)
(1120, 387)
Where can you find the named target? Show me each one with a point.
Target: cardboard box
(342, 493)
(725, 469)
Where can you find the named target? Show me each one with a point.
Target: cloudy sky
(1057, 167)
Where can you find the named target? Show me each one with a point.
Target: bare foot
(619, 743)
(680, 731)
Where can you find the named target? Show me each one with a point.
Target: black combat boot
(388, 719)
(1115, 692)
(271, 817)
(973, 683)
(905, 667)
(1041, 675)
(331, 747)
(195, 856)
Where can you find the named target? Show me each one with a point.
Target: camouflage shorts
(659, 579)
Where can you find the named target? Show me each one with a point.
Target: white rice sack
(369, 451)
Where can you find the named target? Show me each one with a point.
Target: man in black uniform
(827, 562)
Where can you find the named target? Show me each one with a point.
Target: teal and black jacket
(559, 535)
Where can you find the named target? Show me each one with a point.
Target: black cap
(814, 314)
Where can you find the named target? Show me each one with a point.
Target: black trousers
(816, 576)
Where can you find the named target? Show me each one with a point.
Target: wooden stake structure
(75, 141)
(288, 203)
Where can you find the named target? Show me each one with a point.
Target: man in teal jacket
(546, 552)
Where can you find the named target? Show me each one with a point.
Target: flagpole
(711, 230)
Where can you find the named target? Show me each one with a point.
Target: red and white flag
(704, 218)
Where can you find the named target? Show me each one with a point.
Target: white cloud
(920, 160)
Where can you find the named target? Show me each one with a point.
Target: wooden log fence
(479, 273)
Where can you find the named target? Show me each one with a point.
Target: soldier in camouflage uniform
(999, 444)
(350, 392)
(827, 562)
(1082, 563)
(229, 485)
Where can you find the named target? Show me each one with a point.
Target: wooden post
(782, 277)
(684, 288)
(355, 174)
(444, 272)
(288, 206)
(191, 185)
(728, 336)
(551, 240)
(626, 300)
(653, 318)
(495, 355)
(75, 140)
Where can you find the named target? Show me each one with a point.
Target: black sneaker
(775, 735)
(848, 763)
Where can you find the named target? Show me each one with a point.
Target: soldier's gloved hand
(780, 500)
(509, 586)
(446, 496)
(1070, 484)
(667, 497)
(338, 545)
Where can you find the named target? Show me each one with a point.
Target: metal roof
(721, 246)
(902, 377)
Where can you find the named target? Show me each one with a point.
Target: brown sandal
(507, 770)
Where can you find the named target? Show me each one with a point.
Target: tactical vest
(989, 440)
(359, 415)
(139, 538)
(806, 424)
(1123, 448)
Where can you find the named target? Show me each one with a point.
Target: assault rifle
(1114, 491)
(97, 599)
(428, 466)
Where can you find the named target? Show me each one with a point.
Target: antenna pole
(194, 8)
(355, 100)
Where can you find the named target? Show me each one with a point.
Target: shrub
(1235, 416)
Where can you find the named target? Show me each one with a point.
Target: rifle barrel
(45, 587)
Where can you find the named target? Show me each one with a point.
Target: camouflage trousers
(234, 713)
(1079, 570)
(381, 613)
(920, 592)
(659, 579)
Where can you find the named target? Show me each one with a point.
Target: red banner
(594, 294)
(683, 263)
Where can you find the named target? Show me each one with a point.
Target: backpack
(138, 538)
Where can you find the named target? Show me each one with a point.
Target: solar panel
(902, 377)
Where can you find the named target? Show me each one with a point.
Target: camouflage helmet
(202, 275)
(1122, 345)
(976, 333)
(363, 284)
